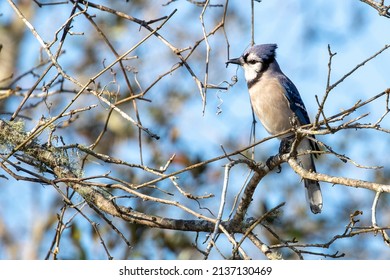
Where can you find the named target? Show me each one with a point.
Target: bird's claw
(271, 161)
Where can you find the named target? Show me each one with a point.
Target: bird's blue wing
(295, 100)
(296, 105)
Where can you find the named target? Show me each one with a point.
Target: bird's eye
(252, 61)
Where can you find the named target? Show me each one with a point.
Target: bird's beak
(237, 60)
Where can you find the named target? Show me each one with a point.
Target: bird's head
(255, 60)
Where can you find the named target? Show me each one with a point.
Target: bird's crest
(266, 51)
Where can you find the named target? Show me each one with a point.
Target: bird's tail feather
(314, 195)
(313, 189)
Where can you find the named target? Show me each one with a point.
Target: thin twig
(221, 206)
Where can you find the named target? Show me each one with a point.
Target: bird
(276, 102)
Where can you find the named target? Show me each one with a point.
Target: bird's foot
(272, 162)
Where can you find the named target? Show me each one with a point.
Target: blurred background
(190, 128)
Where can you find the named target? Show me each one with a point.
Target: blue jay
(276, 101)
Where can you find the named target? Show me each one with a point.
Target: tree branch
(376, 187)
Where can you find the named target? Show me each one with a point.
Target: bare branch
(382, 9)
(376, 187)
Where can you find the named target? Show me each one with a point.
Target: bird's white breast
(270, 104)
